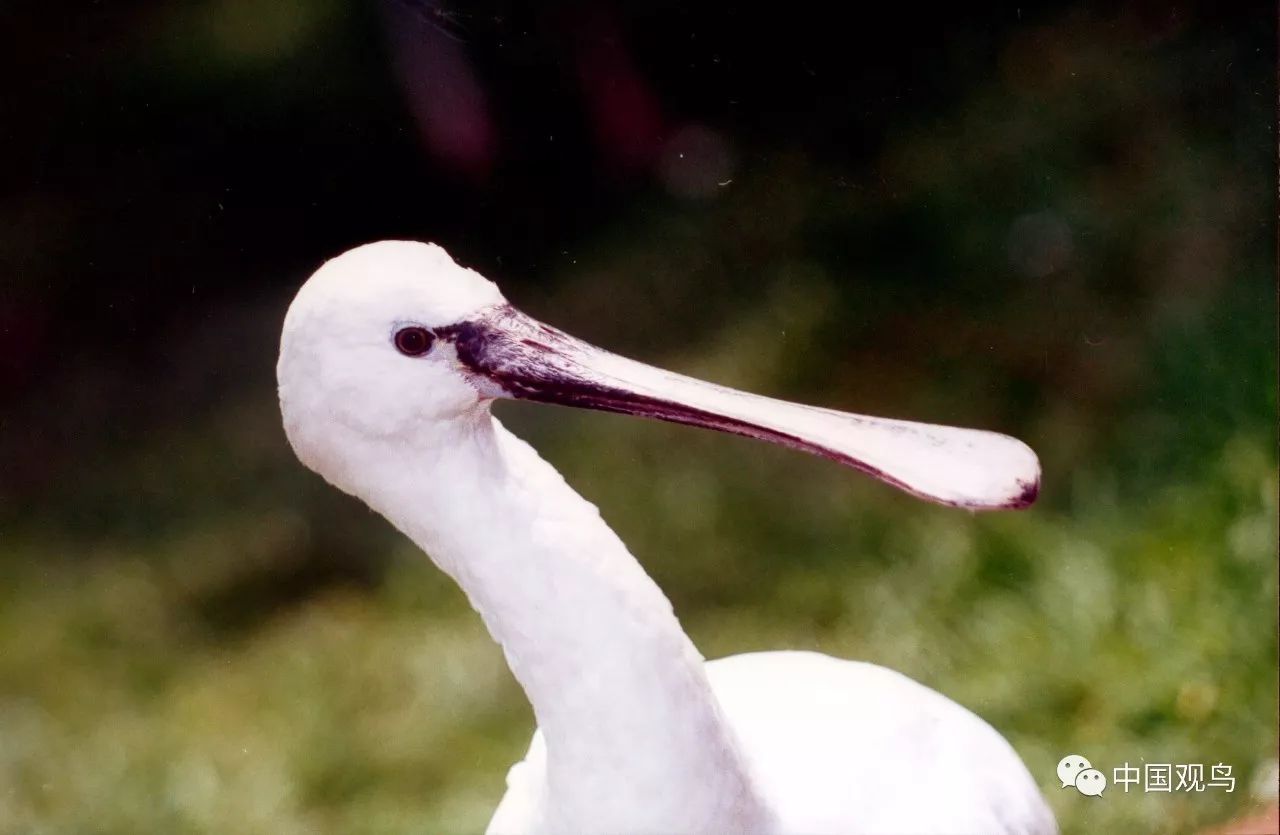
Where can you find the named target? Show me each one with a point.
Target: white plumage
(390, 358)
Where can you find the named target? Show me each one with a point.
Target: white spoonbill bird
(390, 358)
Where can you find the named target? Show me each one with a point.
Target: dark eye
(413, 341)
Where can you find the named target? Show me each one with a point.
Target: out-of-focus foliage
(198, 636)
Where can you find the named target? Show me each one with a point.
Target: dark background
(1053, 220)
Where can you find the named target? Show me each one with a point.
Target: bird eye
(413, 341)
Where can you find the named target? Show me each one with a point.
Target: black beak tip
(1030, 492)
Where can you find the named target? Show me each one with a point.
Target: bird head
(394, 344)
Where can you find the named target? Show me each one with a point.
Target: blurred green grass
(1126, 630)
(198, 636)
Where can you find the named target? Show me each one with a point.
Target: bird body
(842, 747)
(390, 359)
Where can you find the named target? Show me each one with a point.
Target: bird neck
(635, 739)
